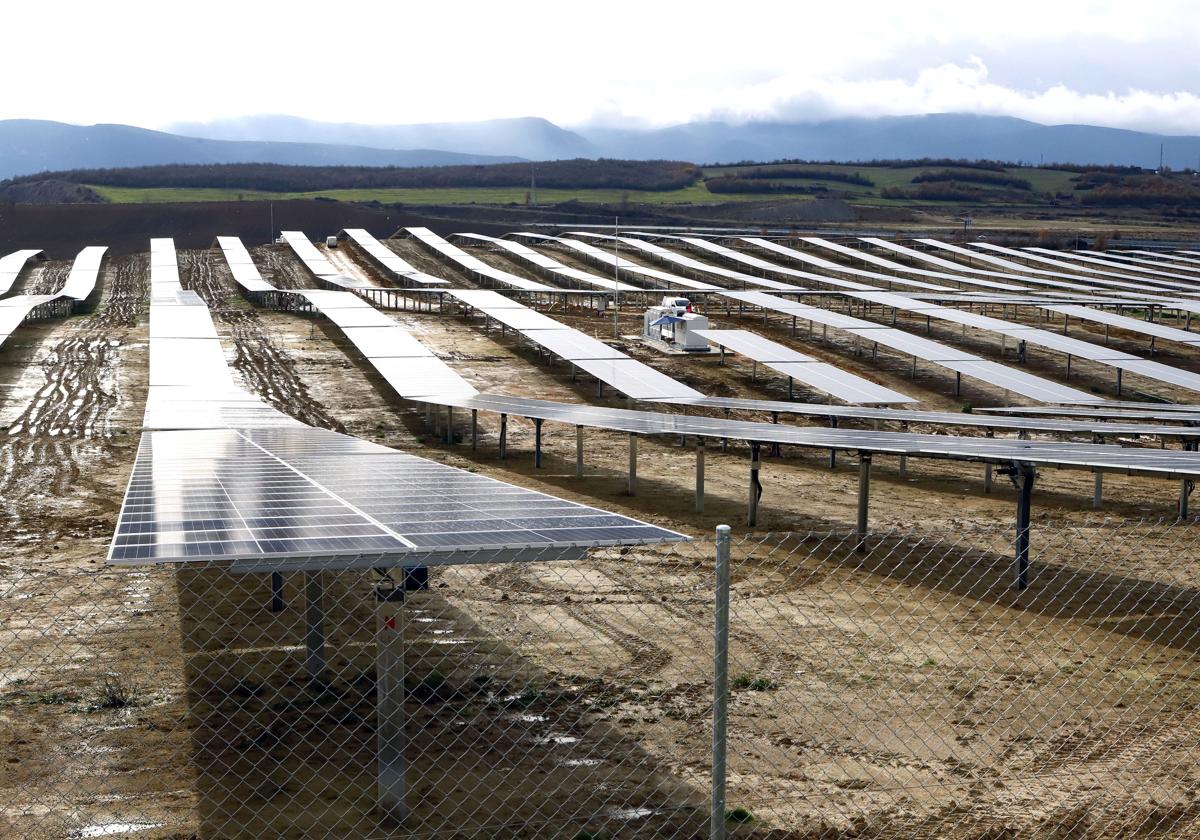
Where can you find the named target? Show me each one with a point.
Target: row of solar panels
(1054, 341)
(80, 283)
(930, 445)
(247, 482)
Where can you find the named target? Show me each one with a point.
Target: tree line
(974, 177)
(270, 177)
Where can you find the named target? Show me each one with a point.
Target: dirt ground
(907, 691)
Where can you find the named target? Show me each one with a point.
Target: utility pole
(271, 238)
(616, 275)
(1160, 157)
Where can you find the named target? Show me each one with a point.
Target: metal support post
(755, 484)
(579, 451)
(632, 486)
(450, 425)
(864, 496)
(314, 625)
(474, 428)
(1023, 476)
(503, 435)
(1098, 489)
(277, 604)
(716, 829)
(699, 475)
(833, 424)
(389, 700)
(537, 444)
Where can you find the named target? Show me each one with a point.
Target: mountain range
(29, 146)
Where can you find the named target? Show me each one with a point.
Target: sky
(1128, 65)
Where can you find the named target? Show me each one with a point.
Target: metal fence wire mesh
(906, 689)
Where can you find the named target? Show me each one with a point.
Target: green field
(1042, 180)
(695, 194)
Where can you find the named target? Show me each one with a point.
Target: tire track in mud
(50, 442)
(267, 369)
(645, 657)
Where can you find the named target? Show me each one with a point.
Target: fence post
(389, 699)
(716, 829)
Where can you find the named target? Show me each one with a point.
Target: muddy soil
(90, 678)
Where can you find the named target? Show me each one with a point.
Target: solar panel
(464, 260)
(932, 351)
(753, 346)
(386, 342)
(390, 260)
(670, 281)
(636, 380)
(279, 494)
(875, 260)
(629, 376)
(314, 260)
(550, 264)
(1168, 462)
(572, 345)
(11, 267)
(667, 255)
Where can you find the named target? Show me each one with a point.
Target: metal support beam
(579, 451)
(537, 443)
(314, 625)
(277, 604)
(1023, 476)
(833, 424)
(864, 496)
(699, 475)
(755, 484)
(632, 485)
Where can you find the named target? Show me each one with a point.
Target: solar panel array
(409, 367)
(610, 260)
(280, 494)
(80, 283)
(11, 267)
(391, 261)
(967, 364)
(191, 386)
(552, 266)
(748, 281)
(246, 482)
(1043, 338)
(612, 367)
(1161, 462)
(472, 264)
(821, 375)
(245, 273)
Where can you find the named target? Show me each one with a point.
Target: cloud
(964, 87)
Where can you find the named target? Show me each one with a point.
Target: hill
(28, 146)
(526, 137)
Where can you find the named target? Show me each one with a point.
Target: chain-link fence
(899, 688)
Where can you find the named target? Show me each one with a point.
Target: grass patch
(746, 682)
(117, 692)
(739, 815)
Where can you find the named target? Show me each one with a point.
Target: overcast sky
(1125, 64)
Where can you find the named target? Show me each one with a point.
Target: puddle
(110, 829)
(558, 739)
(633, 813)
